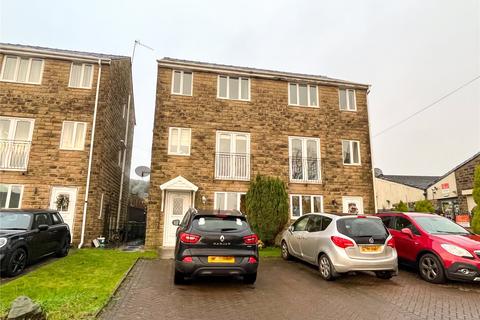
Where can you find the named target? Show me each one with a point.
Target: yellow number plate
(214, 259)
(368, 249)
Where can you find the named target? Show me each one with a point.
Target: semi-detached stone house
(66, 126)
(218, 126)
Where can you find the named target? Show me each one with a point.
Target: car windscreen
(219, 223)
(439, 225)
(362, 227)
(15, 221)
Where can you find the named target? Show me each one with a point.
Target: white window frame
(179, 139)
(304, 151)
(233, 141)
(239, 88)
(309, 104)
(349, 109)
(4, 62)
(301, 204)
(239, 195)
(9, 194)
(353, 198)
(81, 76)
(350, 143)
(13, 122)
(75, 125)
(182, 72)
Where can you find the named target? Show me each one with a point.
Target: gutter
(49, 54)
(123, 163)
(90, 156)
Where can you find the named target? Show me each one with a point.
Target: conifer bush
(266, 204)
(476, 198)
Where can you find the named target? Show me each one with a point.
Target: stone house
(217, 126)
(66, 130)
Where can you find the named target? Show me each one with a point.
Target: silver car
(342, 243)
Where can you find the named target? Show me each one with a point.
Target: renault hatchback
(215, 243)
(342, 243)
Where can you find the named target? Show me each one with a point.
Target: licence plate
(215, 259)
(369, 249)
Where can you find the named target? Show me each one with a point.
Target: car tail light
(251, 239)
(252, 260)
(362, 217)
(391, 243)
(189, 238)
(187, 259)
(342, 242)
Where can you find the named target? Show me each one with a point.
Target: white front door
(177, 204)
(63, 199)
(352, 205)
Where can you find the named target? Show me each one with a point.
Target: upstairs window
(21, 69)
(182, 83)
(351, 152)
(81, 75)
(179, 141)
(348, 102)
(304, 155)
(235, 88)
(302, 95)
(73, 135)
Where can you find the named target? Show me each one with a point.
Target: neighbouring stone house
(66, 130)
(217, 126)
(450, 193)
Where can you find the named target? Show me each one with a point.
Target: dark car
(215, 243)
(28, 235)
(440, 248)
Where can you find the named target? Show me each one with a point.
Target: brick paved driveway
(289, 290)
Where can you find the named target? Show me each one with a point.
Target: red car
(440, 248)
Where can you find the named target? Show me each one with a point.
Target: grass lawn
(270, 252)
(74, 287)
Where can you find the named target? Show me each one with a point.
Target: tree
(401, 206)
(424, 206)
(267, 207)
(476, 198)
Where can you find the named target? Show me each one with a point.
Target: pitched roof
(72, 53)
(420, 182)
(254, 71)
(476, 155)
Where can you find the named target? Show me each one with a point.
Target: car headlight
(3, 241)
(456, 251)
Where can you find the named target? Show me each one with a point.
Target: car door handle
(53, 231)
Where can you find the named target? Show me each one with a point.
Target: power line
(425, 108)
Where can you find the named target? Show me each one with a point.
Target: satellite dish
(142, 171)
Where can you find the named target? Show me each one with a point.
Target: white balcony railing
(232, 166)
(305, 170)
(14, 154)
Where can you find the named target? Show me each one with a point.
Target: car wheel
(64, 248)
(431, 269)
(178, 278)
(17, 262)
(385, 275)
(250, 278)
(325, 267)
(285, 253)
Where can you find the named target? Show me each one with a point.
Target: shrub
(476, 198)
(401, 206)
(424, 206)
(267, 207)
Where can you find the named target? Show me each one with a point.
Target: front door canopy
(179, 183)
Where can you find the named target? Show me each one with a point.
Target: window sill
(352, 164)
(68, 149)
(350, 111)
(237, 100)
(14, 169)
(24, 83)
(80, 88)
(181, 94)
(302, 106)
(305, 181)
(178, 154)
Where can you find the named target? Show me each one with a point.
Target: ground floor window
(10, 196)
(303, 204)
(230, 201)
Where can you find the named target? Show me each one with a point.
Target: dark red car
(440, 248)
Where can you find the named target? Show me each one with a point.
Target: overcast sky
(411, 52)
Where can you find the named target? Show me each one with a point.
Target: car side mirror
(408, 232)
(43, 227)
(290, 228)
(176, 222)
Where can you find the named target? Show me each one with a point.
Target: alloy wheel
(284, 250)
(325, 267)
(19, 260)
(429, 268)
